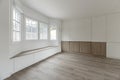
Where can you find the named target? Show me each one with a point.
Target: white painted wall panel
(66, 29)
(113, 50)
(77, 30)
(113, 35)
(6, 65)
(99, 29)
(113, 27)
(4, 29)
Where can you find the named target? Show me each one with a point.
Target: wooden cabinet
(96, 48)
(74, 46)
(65, 46)
(99, 48)
(85, 47)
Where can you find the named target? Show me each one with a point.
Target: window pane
(28, 35)
(16, 36)
(16, 25)
(14, 14)
(18, 16)
(43, 31)
(28, 28)
(31, 29)
(53, 33)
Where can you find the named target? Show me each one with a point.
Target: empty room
(59, 39)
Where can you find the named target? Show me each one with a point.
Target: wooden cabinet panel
(85, 47)
(74, 46)
(65, 46)
(103, 49)
(96, 48)
(99, 48)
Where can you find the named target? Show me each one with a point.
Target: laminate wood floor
(71, 66)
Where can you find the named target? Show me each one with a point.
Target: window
(31, 29)
(53, 32)
(43, 28)
(16, 29)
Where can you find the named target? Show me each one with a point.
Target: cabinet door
(74, 46)
(99, 48)
(85, 47)
(45, 54)
(23, 62)
(65, 46)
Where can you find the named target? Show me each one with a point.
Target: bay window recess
(43, 31)
(53, 32)
(16, 28)
(34, 30)
(31, 29)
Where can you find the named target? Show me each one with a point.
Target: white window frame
(14, 25)
(42, 31)
(31, 27)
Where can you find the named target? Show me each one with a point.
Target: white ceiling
(69, 9)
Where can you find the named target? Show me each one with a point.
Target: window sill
(33, 51)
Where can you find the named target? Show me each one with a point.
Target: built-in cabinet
(98, 48)
(74, 46)
(65, 46)
(22, 62)
(94, 48)
(85, 47)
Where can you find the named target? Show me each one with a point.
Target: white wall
(76, 30)
(85, 29)
(5, 63)
(113, 31)
(102, 28)
(99, 29)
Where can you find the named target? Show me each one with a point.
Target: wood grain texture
(72, 66)
(65, 46)
(95, 48)
(103, 49)
(74, 46)
(99, 48)
(85, 47)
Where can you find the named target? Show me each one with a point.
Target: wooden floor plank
(71, 66)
